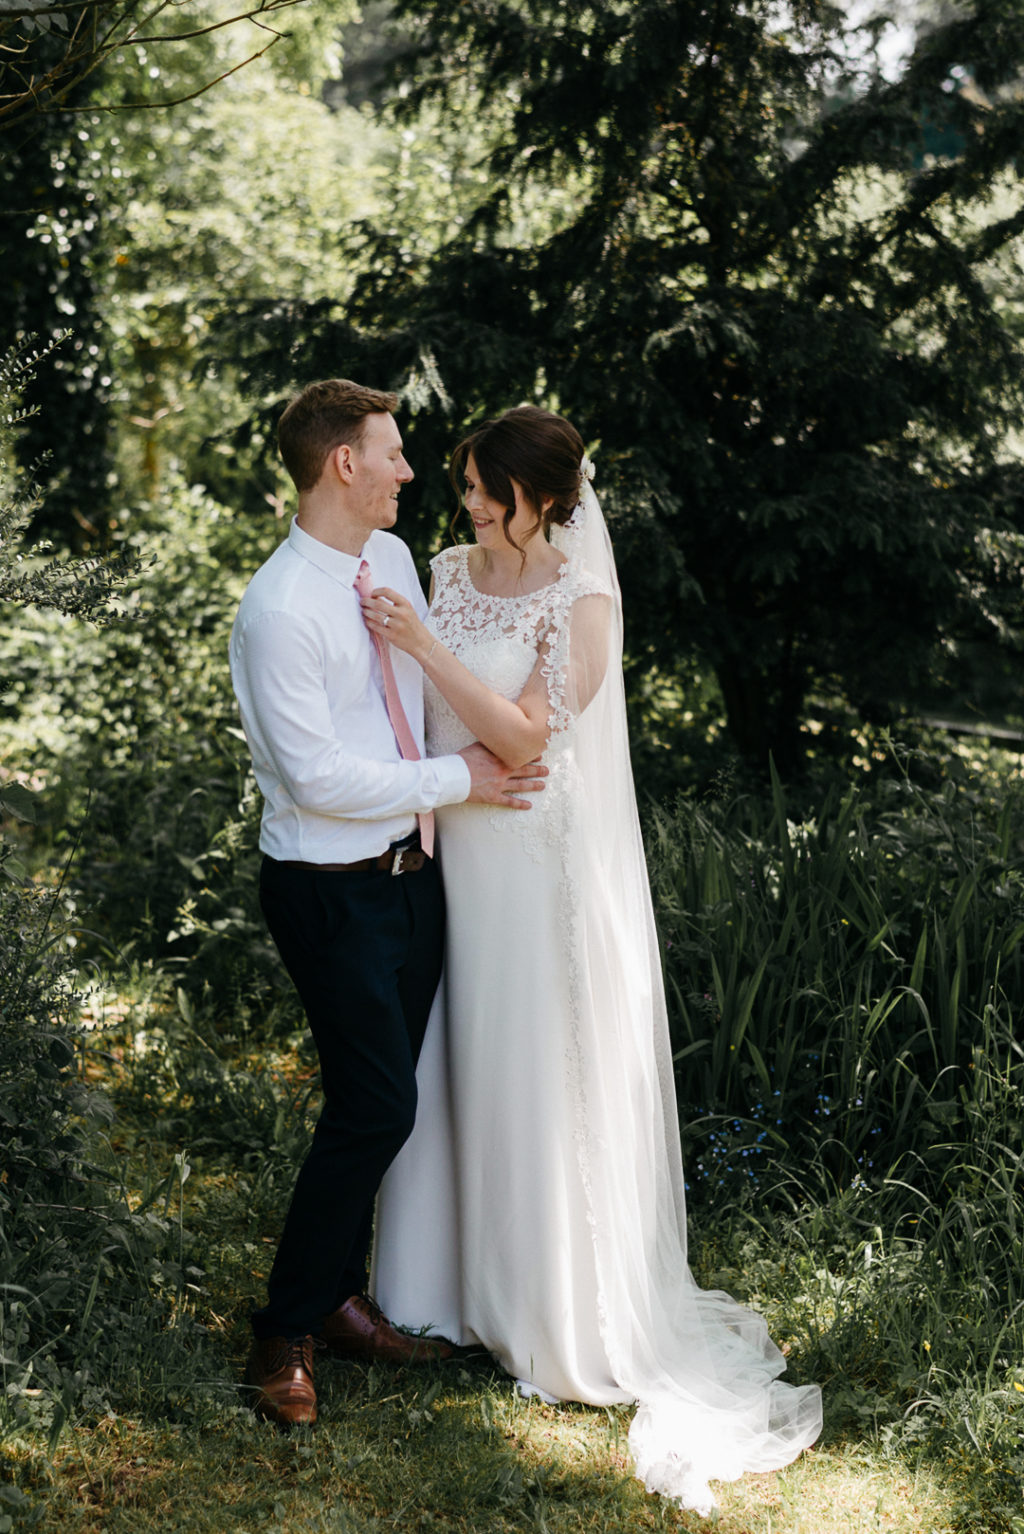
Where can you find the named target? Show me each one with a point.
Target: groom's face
(380, 471)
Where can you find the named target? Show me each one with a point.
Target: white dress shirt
(310, 693)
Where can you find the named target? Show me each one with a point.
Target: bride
(538, 1208)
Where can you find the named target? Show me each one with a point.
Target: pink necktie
(396, 713)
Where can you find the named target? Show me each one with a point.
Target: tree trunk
(763, 714)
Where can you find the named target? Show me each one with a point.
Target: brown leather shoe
(281, 1369)
(359, 1329)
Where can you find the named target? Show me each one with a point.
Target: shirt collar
(342, 568)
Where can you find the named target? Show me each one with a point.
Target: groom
(348, 887)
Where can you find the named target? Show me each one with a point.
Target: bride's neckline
(521, 596)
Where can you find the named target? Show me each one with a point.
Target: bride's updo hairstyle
(537, 449)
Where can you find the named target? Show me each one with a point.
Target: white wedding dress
(538, 1207)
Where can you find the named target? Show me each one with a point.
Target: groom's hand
(494, 783)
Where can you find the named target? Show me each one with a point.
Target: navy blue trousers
(364, 951)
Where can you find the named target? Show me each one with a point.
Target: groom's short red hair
(320, 418)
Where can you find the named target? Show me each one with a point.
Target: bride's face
(488, 515)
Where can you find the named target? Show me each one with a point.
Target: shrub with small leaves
(77, 1254)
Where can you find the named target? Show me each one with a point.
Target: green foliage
(842, 988)
(194, 1083)
(49, 54)
(187, 207)
(38, 1093)
(132, 228)
(80, 588)
(889, 1304)
(82, 1257)
(135, 733)
(787, 338)
(50, 200)
(62, 1230)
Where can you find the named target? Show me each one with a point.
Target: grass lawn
(443, 1449)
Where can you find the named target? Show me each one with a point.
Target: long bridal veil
(701, 1367)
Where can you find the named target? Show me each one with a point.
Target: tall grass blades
(833, 983)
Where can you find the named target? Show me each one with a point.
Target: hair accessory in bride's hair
(568, 535)
(586, 478)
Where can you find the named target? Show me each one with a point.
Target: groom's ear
(340, 461)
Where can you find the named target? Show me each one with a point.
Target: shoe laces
(297, 1353)
(375, 1312)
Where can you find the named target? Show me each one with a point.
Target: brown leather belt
(406, 858)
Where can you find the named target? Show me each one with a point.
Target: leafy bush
(137, 740)
(80, 1260)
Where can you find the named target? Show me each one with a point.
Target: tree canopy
(127, 226)
(50, 48)
(782, 322)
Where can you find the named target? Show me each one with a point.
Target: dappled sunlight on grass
(476, 1459)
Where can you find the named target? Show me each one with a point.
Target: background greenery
(779, 290)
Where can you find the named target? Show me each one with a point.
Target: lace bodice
(500, 639)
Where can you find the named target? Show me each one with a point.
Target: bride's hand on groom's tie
(393, 617)
(495, 783)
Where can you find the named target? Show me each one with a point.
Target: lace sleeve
(574, 653)
(443, 567)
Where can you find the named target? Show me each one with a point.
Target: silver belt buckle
(396, 865)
